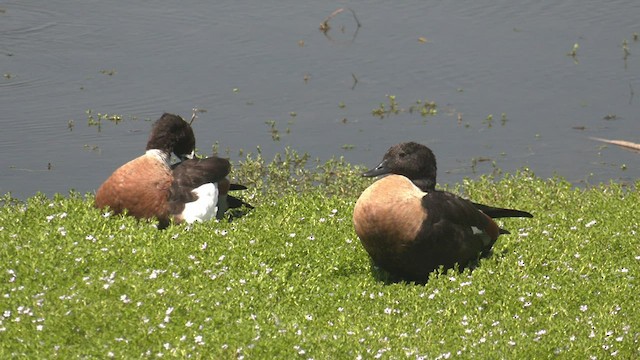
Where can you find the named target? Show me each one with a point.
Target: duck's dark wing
(460, 231)
(491, 211)
(496, 212)
(192, 173)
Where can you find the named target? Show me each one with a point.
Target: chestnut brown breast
(140, 186)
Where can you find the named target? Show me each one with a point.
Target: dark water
(246, 63)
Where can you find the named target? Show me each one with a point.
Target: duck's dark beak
(381, 169)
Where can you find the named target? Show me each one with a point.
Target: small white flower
(583, 308)
(308, 317)
(198, 340)
(590, 223)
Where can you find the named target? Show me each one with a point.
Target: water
(248, 63)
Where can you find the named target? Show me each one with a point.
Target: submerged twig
(622, 143)
(325, 27)
(355, 81)
(194, 114)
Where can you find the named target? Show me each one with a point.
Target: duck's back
(141, 186)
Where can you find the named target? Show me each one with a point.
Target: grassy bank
(291, 280)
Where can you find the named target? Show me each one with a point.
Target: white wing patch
(486, 239)
(205, 207)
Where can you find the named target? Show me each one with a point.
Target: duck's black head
(410, 159)
(171, 134)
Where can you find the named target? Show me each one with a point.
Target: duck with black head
(411, 229)
(149, 187)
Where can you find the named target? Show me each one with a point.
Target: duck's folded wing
(458, 223)
(195, 172)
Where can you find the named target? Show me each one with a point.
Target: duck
(150, 187)
(410, 229)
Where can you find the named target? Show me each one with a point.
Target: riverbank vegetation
(290, 279)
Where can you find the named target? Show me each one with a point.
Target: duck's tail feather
(495, 212)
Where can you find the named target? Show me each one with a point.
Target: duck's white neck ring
(160, 155)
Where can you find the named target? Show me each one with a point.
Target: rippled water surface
(252, 64)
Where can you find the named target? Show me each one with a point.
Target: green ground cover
(291, 280)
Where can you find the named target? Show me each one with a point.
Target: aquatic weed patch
(290, 279)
